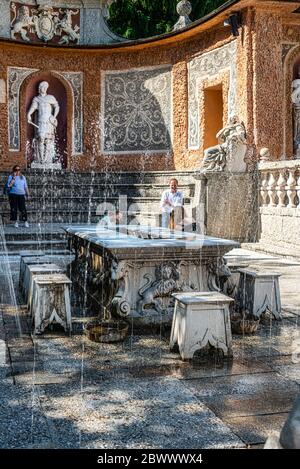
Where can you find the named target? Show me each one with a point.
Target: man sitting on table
(171, 205)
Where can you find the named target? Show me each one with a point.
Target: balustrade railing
(280, 183)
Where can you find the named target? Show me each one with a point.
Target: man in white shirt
(170, 199)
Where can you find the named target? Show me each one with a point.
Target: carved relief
(16, 76)
(45, 23)
(230, 151)
(218, 274)
(120, 272)
(75, 79)
(206, 65)
(166, 282)
(136, 110)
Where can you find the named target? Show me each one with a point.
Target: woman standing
(17, 190)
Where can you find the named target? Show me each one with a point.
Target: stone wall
(166, 121)
(88, 74)
(232, 206)
(280, 227)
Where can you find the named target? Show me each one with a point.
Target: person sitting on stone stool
(171, 205)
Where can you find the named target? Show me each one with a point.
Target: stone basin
(133, 270)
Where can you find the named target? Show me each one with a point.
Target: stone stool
(201, 318)
(25, 260)
(258, 291)
(51, 302)
(37, 269)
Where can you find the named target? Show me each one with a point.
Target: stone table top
(258, 272)
(132, 238)
(49, 279)
(211, 297)
(44, 268)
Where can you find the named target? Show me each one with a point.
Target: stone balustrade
(280, 183)
(280, 207)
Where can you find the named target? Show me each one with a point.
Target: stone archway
(58, 90)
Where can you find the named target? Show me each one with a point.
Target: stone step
(76, 217)
(87, 200)
(50, 245)
(131, 191)
(43, 177)
(15, 234)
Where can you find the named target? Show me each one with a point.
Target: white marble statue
(47, 109)
(230, 151)
(295, 97)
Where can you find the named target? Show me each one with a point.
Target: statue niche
(295, 98)
(46, 123)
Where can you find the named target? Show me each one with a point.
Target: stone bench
(258, 291)
(33, 270)
(51, 302)
(201, 319)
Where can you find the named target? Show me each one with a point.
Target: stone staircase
(63, 197)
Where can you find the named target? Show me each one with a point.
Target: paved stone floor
(67, 392)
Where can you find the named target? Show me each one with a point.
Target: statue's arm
(33, 108)
(56, 108)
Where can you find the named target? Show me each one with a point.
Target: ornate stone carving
(45, 23)
(136, 110)
(203, 66)
(75, 80)
(230, 151)
(166, 282)
(22, 22)
(218, 274)
(65, 26)
(120, 272)
(47, 108)
(184, 9)
(16, 76)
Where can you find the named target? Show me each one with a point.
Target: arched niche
(58, 89)
(291, 72)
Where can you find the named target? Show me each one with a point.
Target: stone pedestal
(258, 291)
(34, 270)
(201, 318)
(51, 302)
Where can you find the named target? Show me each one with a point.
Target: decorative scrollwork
(137, 110)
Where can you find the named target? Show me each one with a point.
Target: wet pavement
(61, 391)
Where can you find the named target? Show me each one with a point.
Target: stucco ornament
(230, 151)
(295, 97)
(65, 26)
(47, 109)
(45, 23)
(22, 22)
(165, 283)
